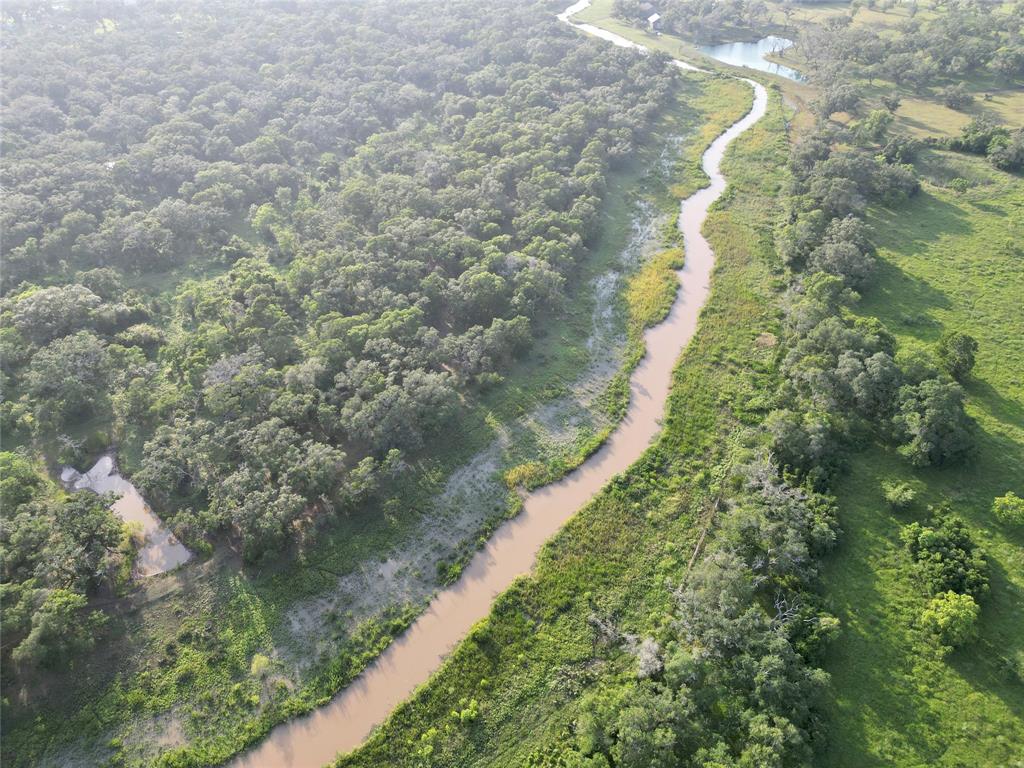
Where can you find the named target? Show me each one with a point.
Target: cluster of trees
(701, 20)
(55, 551)
(964, 41)
(953, 571)
(1003, 147)
(389, 195)
(729, 682)
(844, 375)
(968, 39)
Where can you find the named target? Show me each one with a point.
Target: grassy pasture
(948, 262)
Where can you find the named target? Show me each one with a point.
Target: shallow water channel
(345, 722)
(160, 550)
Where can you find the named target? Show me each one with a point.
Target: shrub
(957, 97)
(951, 618)
(1007, 152)
(1009, 509)
(260, 665)
(957, 351)
(946, 557)
(899, 496)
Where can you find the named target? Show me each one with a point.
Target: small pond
(753, 55)
(160, 551)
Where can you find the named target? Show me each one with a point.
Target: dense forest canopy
(372, 204)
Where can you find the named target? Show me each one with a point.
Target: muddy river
(160, 550)
(345, 722)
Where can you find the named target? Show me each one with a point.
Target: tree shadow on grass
(910, 227)
(870, 662)
(904, 301)
(1000, 407)
(984, 664)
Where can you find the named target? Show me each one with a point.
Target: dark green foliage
(68, 379)
(956, 351)
(369, 226)
(963, 41)
(982, 136)
(932, 423)
(1007, 152)
(946, 557)
(61, 631)
(836, 369)
(735, 685)
(53, 552)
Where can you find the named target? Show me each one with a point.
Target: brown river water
(345, 722)
(160, 550)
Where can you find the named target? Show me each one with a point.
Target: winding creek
(345, 722)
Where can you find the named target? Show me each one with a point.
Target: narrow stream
(344, 723)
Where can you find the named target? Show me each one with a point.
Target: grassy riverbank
(949, 261)
(211, 656)
(510, 689)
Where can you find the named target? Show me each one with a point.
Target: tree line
(968, 40)
(701, 20)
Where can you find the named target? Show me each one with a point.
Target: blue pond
(753, 55)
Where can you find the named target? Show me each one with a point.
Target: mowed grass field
(948, 262)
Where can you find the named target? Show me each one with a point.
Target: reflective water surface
(753, 55)
(161, 551)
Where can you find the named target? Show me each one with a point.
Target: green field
(949, 262)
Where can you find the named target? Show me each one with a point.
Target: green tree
(951, 618)
(19, 481)
(932, 423)
(899, 496)
(946, 557)
(956, 351)
(61, 631)
(1009, 509)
